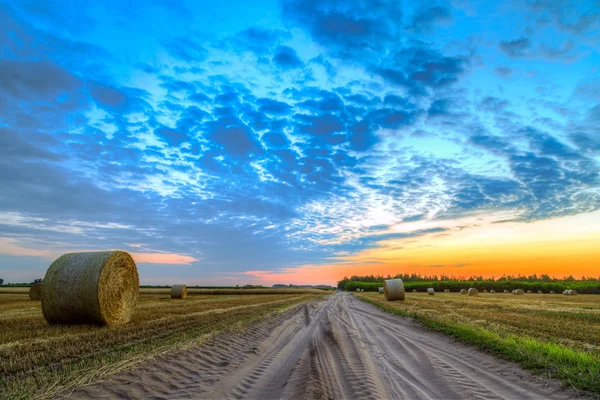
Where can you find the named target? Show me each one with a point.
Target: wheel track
(338, 348)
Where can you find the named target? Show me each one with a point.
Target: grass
(554, 335)
(39, 360)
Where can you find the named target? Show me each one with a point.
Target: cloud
(185, 49)
(351, 28)
(516, 48)
(243, 148)
(161, 258)
(286, 58)
(504, 72)
(426, 18)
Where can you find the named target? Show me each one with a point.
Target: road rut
(338, 348)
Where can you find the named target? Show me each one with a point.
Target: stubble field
(556, 335)
(39, 360)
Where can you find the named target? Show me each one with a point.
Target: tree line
(419, 282)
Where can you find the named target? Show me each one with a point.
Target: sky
(301, 141)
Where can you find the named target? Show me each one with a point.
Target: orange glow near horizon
(558, 247)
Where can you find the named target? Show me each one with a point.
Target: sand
(339, 348)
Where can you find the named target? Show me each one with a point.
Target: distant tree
(37, 281)
(1, 281)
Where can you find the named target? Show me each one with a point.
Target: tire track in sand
(338, 348)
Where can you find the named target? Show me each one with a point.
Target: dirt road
(339, 348)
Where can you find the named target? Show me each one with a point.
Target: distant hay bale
(473, 292)
(529, 291)
(414, 290)
(552, 292)
(571, 292)
(178, 291)
(540, 292)
(463, 291)
(446, 290)
(565, 292)
(97, 287)
(505, 291)
(484, 290)
(393, 289)
(518, 292)
(380, 290)
(35, 292)
(430, 291)
(492, 291)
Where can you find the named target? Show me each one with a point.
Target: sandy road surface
(339, 348)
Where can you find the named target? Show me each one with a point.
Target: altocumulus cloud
(308, 135)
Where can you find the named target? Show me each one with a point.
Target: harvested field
(559, 335)
(39, 360)
(338, 348)
(191, 290)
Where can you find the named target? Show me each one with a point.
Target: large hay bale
(97, 287)
(473, 292)
(35, 292)
(430, 291)
(393, 289)
(463, 291)
(178, 291)
(446, 290)
(518, 292)
(380, 290)
(571, 292)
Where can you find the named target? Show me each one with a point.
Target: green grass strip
(573, 368)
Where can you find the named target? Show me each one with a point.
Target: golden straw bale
(178, 291)
(97, 287)
(393, 289)
(35, 292)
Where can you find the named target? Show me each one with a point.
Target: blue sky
(214, 139)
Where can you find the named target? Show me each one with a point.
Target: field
(39, 360)
(556, 335)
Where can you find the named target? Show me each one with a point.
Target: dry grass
(554, 335)
(37, 359)
(191, 290)
(542, 316)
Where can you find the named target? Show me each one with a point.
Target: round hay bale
(505, 290)
(178, 291)
(529, 291)
(393, 289)
(484, 290)
(463, 291)
(492, 291)
(430, 291)
(473, 292)
(380, 290)
(552, 292)
(446, 290)
(414, 290)
(540, 292)
(572, 292)
(97, 287)
(518, 292)
(566, 292)
(35, 292)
